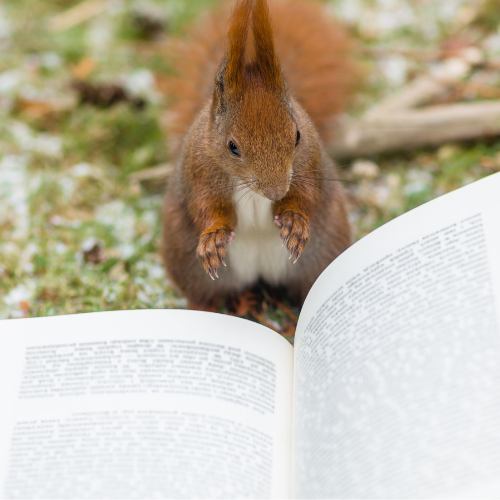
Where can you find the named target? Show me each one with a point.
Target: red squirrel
(254, 196)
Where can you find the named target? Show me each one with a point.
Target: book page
(144, 404)
(397, 381)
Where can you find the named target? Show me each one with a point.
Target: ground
(79, 233)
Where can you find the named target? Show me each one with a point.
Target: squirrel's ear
(266, 59)
(219, 103)
(234, 65)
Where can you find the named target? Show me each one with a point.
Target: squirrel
(254, 196)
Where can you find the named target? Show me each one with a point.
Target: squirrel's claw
(295, 232)
(212, 251)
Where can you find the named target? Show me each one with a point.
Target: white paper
(144, 404)
(397, 361)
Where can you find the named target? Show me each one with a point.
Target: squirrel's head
(256, 122)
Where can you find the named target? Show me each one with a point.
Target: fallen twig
(154, 173)
(77, 14)
(154, 179)
(424, 88)
(395, 124)
(410, 129)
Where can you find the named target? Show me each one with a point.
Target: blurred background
(80, 112)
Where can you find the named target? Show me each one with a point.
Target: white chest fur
(257, 251)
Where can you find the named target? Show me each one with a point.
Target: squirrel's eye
(298, 138)
(234, 149)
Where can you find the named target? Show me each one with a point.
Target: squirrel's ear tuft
(234, 67)
(233, 74)
(266, 59)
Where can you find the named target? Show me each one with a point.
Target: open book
(393, 389)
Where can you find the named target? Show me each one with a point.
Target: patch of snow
(17, 295)
(350, 11)
(60, 248)
(417, 181)
(8, 247)
(395, 16)
(5, 31)
(446, 10)
(50, 60)
(26, 261)
(151, 218)
(154, 270)
(10, 80)
(13, 299)
(59, 221)
(126, 250)
(492, 44)
(49, 145)
(394, 69)
(115, 7)
(109, 293)
(120, 218)
(143, 297)
(100, 35)
(381, 195)
(14, 193)
(67, 185)
(141, 82)
(43, 143)
(81, 170)
(90, 243)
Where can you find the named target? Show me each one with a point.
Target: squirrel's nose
(275, 193)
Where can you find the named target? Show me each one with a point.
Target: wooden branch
(425, 88)
(410, 129)
(77, 14)
(154, 178)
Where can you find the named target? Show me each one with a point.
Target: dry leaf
(105, 95)
(26, 308)
(95, 254)
(148, 26)
(35, 109)
(84, 68)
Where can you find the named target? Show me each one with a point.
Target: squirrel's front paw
(295, 231)
(212, 249)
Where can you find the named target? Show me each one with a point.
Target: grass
(75, 234)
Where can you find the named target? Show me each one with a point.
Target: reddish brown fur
(314, 50)
(265, 55)
(252, 106)
(238, 34)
